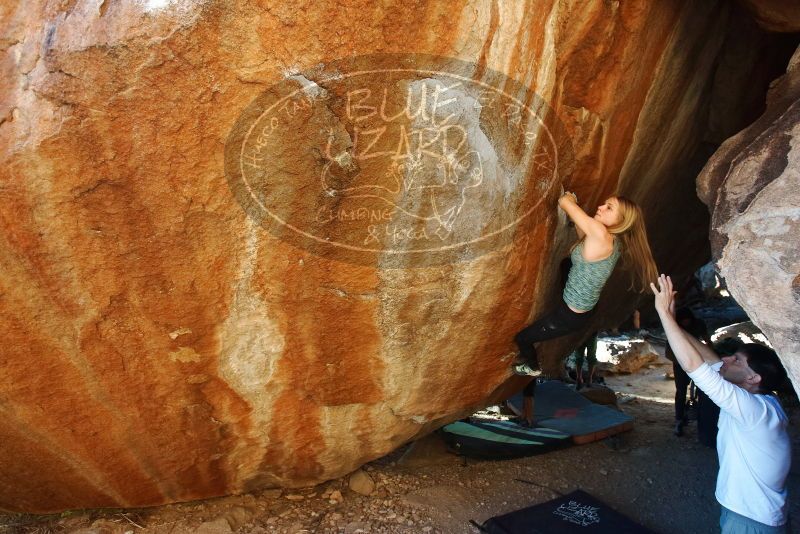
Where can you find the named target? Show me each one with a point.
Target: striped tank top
(587, 278)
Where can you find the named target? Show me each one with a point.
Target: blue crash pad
(559, 407)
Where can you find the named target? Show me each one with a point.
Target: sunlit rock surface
(170, 333)
(752, 186)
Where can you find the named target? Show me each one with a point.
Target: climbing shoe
(524, 369)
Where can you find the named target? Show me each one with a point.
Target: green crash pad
(494, 440)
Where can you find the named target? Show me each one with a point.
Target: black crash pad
(576, 513)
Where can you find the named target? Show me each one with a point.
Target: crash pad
(559, 407)
(497, 440)
(577, 512)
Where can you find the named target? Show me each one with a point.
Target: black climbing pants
(681, 385)
(588, 352)
(557, 323)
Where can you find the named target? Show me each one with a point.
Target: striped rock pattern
(160, 344)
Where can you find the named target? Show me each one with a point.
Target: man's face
(736, 370)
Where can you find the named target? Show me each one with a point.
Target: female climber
(616, 228)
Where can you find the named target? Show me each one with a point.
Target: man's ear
(755, 379)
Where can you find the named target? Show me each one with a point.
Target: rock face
(752, 187)
(238, 249)
(629, 357)
(774, 15)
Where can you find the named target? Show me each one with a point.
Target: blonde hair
(635, 247)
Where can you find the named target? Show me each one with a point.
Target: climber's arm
(584, 224)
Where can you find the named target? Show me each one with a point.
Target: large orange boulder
(250, 244)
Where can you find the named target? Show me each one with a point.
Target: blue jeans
(733, 523)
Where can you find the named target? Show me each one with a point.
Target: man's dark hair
(727, 346)
(766, 363)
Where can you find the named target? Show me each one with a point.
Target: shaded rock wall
(774, 15)
(752, 187)
(677, 131)
(166, 340)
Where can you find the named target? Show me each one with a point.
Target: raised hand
(665, 296)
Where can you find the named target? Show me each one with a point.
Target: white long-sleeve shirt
(753, 446)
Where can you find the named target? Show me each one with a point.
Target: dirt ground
(661, 481)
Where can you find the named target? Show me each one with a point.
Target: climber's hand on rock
(570, 195)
